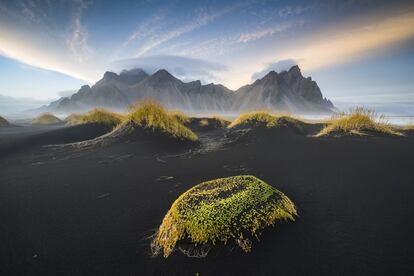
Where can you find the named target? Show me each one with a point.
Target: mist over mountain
(287, 91)
(11, 105)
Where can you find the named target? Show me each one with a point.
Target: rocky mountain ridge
(287, 91)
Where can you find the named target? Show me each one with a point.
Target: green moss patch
(46, 119)
(232, 208)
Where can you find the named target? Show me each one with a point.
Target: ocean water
(400, 120)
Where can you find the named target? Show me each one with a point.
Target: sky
(358, 51)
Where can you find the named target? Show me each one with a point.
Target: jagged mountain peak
(110, 75)
(128, 77)
(134, 71)
(295, 70)
(85, 86)
(269, 77)
(163, 75)
(285, 91)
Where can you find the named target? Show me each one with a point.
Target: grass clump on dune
(264, 119)
(181, 117)
(232, 208)
(358, 121)
(4, 122)
(97, 115)
(46, 119)
(151, 115)
(73, 119)
(214, 121)
(409, 127)
(102, 116)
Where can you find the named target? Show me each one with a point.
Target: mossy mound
(265, 120)
(4, 122)
(46, 119)
(359, 122)
(232, 208)
(153, 117)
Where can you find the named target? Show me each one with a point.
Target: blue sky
(357, 50)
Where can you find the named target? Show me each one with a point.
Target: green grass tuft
(151, 115)
(358, 121)
(220, 210)
(46, 119)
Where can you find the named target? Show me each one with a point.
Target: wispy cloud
(267, 32)
(78, 38)
(145, 29)
(27, 10)
(295, 10)
(159, 39)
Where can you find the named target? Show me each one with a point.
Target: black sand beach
(91, 211)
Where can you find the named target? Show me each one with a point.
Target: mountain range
(287, 91)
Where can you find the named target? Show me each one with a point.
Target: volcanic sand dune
(96, 213)
(28, 138)
(263, 121)
(149, 123)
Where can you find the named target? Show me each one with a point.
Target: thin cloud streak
(200, 21)
(78, 40)
(267, 32)
(144, 30)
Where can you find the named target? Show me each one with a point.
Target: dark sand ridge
(94, 214)
(28, 138)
